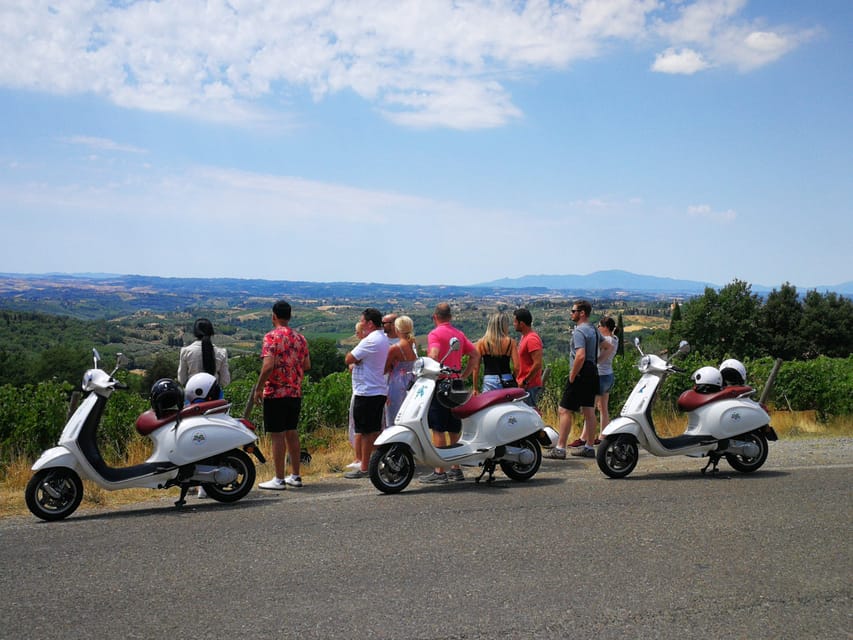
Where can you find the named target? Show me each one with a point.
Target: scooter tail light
(248, 424)
(764, 406)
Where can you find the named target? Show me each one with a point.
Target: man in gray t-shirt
(581, 386)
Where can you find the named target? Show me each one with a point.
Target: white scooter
(728, 423)
(200, 445)
(497, 428)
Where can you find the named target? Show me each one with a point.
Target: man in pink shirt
(446, 429)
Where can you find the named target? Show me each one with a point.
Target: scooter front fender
(396, 434)
(622, 426)
(56, 457)
(401, 435)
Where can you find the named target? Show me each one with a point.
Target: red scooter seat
(487, 399)
(148, 422)
(691, 400)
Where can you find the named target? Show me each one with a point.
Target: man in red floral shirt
(286, 359)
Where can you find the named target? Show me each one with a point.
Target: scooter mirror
(683, 347)
(121, 360)
(455, 344)
(96, 357)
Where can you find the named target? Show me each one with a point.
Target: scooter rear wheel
(745, 464)
(617, 457)
(232, 492)
(55, 493)
(521, 472)
(391, 468)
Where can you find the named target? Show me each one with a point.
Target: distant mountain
(615, 280)
(94, 295)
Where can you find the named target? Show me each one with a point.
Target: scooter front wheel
(55, 493)
(617, 456)
(745, 464)
(519, 471)
(391, 468)
(233, 491)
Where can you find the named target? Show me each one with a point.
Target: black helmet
(166, 397)
(452, 392)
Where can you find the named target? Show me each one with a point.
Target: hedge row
(32, 417)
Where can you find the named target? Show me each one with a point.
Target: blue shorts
(605, 383)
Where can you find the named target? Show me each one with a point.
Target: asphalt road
(666, 553)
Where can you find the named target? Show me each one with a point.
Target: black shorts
(441, 419)
(367, 412)
(281, 414)
(581, 392)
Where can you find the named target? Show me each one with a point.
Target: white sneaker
(293, 481)
(276, 484)
(202, 493)
(354, 465)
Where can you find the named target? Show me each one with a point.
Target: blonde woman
(398, 367)
(499, 354)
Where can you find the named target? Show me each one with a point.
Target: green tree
(165, 365)
(325, 358)
(826, 326)
(676, 314)
(724, 324)
(62, 363)
(782, 316)
(620, 333)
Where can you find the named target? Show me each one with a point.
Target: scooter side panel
(501, 423)
(727, 418)
(200, 438)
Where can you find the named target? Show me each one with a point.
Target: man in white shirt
(369, 386)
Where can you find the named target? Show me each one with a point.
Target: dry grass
(333, 458)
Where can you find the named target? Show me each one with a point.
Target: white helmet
(707, 379)
(733, 372)
(201, 387)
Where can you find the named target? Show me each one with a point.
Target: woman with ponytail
(202, 356)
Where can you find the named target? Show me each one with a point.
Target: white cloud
(103, 144)
(706, 212)
(712, 34)
(436, 63)
(682, 61)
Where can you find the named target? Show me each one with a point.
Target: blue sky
(429, 142)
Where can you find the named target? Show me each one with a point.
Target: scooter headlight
(645, 363)
(418, 367)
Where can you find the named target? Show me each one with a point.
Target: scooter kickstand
(180, 502)
(712, 460)
(488, 467)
